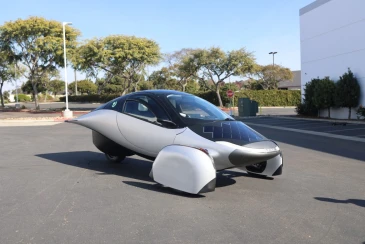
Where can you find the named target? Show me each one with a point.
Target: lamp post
(273, 64)
(273, 57)
(67, 113)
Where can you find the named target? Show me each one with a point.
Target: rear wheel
(114, 159)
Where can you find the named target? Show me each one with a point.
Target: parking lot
(56, 187)
(325, 128)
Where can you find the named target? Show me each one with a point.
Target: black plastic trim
(209, 187)
(279, 171)
(259, 168)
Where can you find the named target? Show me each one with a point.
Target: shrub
(306, 110)
(263, 97)
(273, 98)
(348, 92)
(49, 97)
(361, 111)
(23, 98)
(308, 106)
(323, 96)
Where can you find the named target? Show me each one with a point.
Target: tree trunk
(329, 112)
(349, 112)
(219, 97)
(1, 95)
(35, 95)
(183, 87)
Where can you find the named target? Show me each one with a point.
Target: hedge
(94, 98)
(263, 97)
(272, 97)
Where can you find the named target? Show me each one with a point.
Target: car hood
(235, 132)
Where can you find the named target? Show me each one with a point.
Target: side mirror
(168, 123)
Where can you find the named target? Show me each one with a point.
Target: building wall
(332, 40)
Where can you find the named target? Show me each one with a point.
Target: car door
(139, 122)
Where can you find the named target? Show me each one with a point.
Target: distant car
(188, 138)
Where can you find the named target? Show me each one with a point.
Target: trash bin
(244, 107)
(254, 108)
(247, 107)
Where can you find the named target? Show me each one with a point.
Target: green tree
(192, 86)
(84, 86)
(308, 107)
(117, 56)
(56, 86)
(269, 76)
(42, 83)
(37, 43)
(7, 73)
(162, 79)
(348, 91)
(27, 88)
(145, 85)
(215, 65)
(323, 95)
(182, 74)
(252, 84)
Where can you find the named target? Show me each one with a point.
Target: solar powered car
(188, 139)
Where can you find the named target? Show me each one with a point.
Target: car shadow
(133, 168)
(357, 202)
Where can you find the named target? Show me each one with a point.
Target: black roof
(161, 92)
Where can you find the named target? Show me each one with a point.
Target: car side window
(139, 110)
(115, 104)
(153, 105)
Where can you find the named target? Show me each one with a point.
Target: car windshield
(193, 107)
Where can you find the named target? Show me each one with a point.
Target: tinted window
(193, 107)
(154, 106)
(115, 104)
(139, 110)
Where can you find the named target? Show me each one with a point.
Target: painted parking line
(298, 124)
(349, 138)
(316, 124)
(323, 126)
(320, 126)
(289, 123)
(331, 129)
(346, 129)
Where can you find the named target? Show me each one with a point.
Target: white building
(332, 40)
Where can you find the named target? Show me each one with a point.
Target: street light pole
(273, 57)
(273, 64)
(67, 113)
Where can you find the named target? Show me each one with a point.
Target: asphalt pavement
(56, 187)
(330, 128)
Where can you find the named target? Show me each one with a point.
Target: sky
(260, 26)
